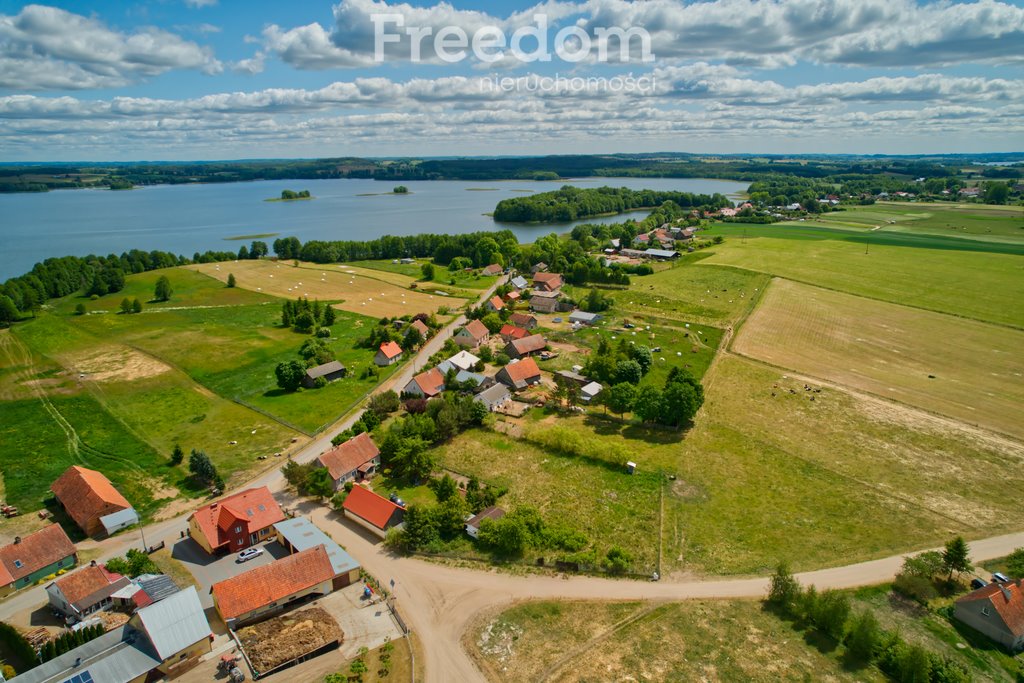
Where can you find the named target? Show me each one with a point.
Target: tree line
(571, 203)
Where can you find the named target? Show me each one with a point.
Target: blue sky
(209, 79)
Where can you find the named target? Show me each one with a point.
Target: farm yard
(957, 367)
(355, 289)
(274, 642)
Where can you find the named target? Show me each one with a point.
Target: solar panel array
(84, 677)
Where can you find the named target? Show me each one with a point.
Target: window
(17, 563)
(238, 529)
(985, 612)
(239, 541)
(183, 655)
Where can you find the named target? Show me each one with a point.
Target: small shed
(474, 522)
(329, 371)
(583, 318)
(630, 467)
(590, 391)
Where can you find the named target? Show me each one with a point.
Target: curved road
(439, 602)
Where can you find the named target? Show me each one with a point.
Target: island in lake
(291, 196)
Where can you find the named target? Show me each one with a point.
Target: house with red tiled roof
(354, 460)
(32, 557)
(264, 590)
(236, 522)
(426, 384)
(547, 282)
(85, 591)
(512, 297)
(527, 346)
(92, 502)
(374, 513)
(389, 353)
(472, 335)
(997, 610)
(520, 374)
(493, 269)
(524, 320)
(510, 332)
(421, 327)
(495, 304)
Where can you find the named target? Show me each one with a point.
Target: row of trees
(925, 575)
(831, 613)
(305, 316)
(69, 640)
(254, 251)
(571, 203)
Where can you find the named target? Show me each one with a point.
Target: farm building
(426, 384)
(161, 640)
(264, 590)
(493, 269)
(539, 268)
(547, 282)
(389, 353)
(524, 320)
(92, 502)
(236, 522)
(329, 371)
(495, 304)
(85, 591)
(632, 253)
(32, 557)
(661, 254)
(997, 610)
(583, 318)
(494, 396)
(300, 534)
(570, 377)
(520, 374)
(527, 346)
(473, 524)
(589, 391)
(472, 335)
(354, 460)
(544, 302)
(371, 511)
(510, 332)
(520, 282)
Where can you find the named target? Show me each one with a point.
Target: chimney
(17, 540)
(93, 563)
(213, 506)
(78, 662)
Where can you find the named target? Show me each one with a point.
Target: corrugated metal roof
(302, 534)
(157, 586)
(175, 623)
(119, 520)
(120, 656)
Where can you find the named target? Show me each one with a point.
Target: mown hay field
(962, 368)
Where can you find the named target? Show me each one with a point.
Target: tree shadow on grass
(276, 393)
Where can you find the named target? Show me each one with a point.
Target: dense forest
(572, 203)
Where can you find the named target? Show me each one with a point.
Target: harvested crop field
(358, 290)
(271, 643)
(965, 369)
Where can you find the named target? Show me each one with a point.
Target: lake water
(187, 218)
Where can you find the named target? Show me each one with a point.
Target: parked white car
(249, 553)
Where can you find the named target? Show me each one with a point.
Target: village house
(512, 297)
(265, 590)
(539, 268)
(32, 557)
(495, 304)
(374, 513)
(519, 375)
(997, 610)
(491, 270)
(510, 332)
(236, 522)
(494, 396)
(329, 371)
(389, 353)
(92, 502)
(544, 302)
(464, 360)
(461, 376)
(144, 590)
(473, 523)
(162, 640)
(426, 384)
(527, 346)
(472, 335)
(299, 534)
(524, 320)
(80, 593)
(547, 282)
(354, 460)
(519, 282)
(422, 328)
(642, 240)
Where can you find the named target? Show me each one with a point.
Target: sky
(245, 79)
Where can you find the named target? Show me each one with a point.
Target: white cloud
(47, 48)
(200, 3)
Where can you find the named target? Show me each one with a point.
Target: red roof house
(32, 557)
(88, 496)
(85, 591)
(389, 353)
(510, 332)
(527, 346)
(494, 304)
(547, 282)
(472, 335)
(371, 511)
(997, 610)
(493, 269)
(357, 458)
(520, 374)
(236, 522)
(263, 590)
(426, 384)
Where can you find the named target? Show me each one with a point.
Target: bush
(502, 359)
(618, 560)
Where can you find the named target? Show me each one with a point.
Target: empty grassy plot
(358, 291)
(699, 640)
(967, 221)
(962, 368)
(983, 286)
(573, 477)
(687, 292)
(769, 474)
(442, 276)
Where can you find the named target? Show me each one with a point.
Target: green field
(934, 279)
(463, 280)
(698, 640)
(966, 221)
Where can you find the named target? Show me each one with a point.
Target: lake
(185, 219)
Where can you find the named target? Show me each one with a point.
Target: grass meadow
(964, 221)
(471, 280)
(965, 369)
